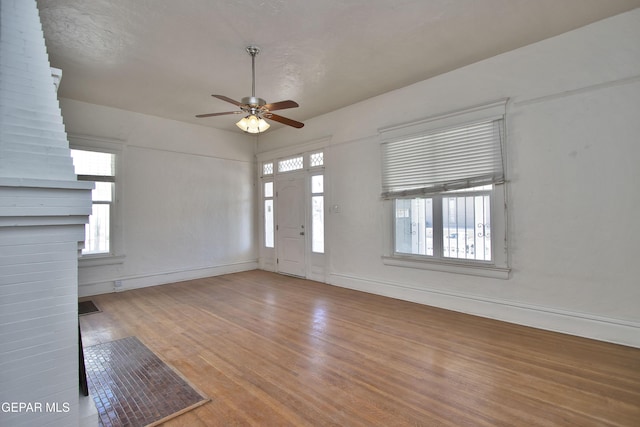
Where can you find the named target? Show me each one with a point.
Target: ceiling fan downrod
(253, 101)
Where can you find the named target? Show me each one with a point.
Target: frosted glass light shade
(253, 124)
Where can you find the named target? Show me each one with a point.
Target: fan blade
(281, 105)
(218, 114)
(225, 98)
(286, 121)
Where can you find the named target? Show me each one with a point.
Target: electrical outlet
(118, 283)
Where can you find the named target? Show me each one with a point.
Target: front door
(290, 229)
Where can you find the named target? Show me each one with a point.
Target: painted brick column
(43, 209)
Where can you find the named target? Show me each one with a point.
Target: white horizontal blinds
(446, 159)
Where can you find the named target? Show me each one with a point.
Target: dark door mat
(131, 386)
(87, 307)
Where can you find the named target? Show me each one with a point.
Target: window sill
(98, 260)
(450, 267)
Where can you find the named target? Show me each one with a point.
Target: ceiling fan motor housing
(253, 101)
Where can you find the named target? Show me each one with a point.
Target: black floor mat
(87, 307)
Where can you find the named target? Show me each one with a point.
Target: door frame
(267, 171)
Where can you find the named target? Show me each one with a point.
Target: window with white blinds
(462, 156)
(443, 192)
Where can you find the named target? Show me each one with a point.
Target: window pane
(317, 184)
(97, 230)
(466, 227)
(268, 189)
(292, 164)
(268, 223)
(267, 169)
(316, 159)
(317, 230)
(414, 226)
(103, 192)
(93, 163)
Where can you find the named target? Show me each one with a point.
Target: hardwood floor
(272, 350)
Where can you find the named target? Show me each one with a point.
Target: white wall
(187, 199)
(573, 172)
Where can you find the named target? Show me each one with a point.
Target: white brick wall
(43, 209)
(32, 137)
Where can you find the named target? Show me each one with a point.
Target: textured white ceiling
(166, 57)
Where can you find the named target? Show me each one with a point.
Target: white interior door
(290, 229)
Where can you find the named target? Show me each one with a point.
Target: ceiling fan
(256, 109)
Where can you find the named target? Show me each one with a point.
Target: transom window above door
(308, 161)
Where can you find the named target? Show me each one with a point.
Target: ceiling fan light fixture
(253, 124)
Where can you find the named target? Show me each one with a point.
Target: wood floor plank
(272, 350)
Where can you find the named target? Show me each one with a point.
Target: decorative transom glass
(316, 159)
(267, 168)
(292, 164)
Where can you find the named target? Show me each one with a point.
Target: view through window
(317, 213)
(98, 167)
(460, 226)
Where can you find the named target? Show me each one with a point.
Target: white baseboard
(162, 278)
(618, 331)
(90, 289)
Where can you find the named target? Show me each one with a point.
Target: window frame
(438, 223)
(313, 194)
(270, 174)
(116, 235)
(498, 267)
(265, 198)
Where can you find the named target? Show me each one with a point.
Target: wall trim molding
(292, 150)
(614, 330)
(162, 278)
(578, 91)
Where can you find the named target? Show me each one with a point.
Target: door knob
(302, 233)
